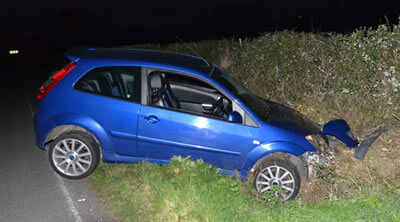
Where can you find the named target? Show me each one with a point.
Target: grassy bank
(326, 76)
(193, 191)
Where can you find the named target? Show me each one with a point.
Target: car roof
(163, 58)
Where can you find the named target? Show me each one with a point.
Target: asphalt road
(29, 189)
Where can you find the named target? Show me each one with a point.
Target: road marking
(29, 104)
(60, 182)
(70, 203)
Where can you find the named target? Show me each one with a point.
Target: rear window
(117, 82)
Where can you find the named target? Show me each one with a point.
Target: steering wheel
(218, 107)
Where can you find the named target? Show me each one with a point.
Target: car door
(165, 132)
(112, 97)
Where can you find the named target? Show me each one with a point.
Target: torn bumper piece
(364, 146)
(341, 130)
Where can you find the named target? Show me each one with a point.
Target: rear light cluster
(53, 80)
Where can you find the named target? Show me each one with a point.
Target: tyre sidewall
(84, 138)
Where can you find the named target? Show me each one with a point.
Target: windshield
(266, 110)
(255, 103)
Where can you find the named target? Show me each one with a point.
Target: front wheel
(278, 178)
(74, 155)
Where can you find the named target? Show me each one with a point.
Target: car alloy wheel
(279, 177)
(73, 156)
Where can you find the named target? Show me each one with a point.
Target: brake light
(52, 81)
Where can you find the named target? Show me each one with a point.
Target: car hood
(289, 119)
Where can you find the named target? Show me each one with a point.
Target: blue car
(133, 105)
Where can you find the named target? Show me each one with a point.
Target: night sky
(54, 26)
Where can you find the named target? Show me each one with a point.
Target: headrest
(155, 80)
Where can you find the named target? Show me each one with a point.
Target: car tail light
(53, 80)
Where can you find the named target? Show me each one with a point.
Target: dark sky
(62, 24)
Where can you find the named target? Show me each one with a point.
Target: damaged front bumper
(341, 131)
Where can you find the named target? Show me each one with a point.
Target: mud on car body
(133, 105)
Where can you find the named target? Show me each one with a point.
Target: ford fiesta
(132, 105)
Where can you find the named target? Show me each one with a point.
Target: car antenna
(192, 50)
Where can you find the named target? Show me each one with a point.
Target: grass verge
(187, 190)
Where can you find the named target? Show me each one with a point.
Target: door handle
(151, 119)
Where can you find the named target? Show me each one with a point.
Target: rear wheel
(74, 155)
(276, 178)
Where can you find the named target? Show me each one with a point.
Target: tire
(281, 173)
(74, 155)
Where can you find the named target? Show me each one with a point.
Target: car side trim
(184, 145)
(123, 135)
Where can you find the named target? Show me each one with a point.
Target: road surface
(29, 188)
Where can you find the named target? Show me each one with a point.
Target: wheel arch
(68, 122)
(296, 161)
(74, 122)
(57, 131)
(280, 151)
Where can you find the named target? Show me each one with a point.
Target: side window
(187, 94)
(118, 82)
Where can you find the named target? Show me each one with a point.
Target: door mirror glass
(235, 117)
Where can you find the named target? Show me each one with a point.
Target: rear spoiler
(75, 54)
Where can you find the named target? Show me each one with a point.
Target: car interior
(115, 83)
(187, 94)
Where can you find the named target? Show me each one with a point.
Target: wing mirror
(235, 117)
